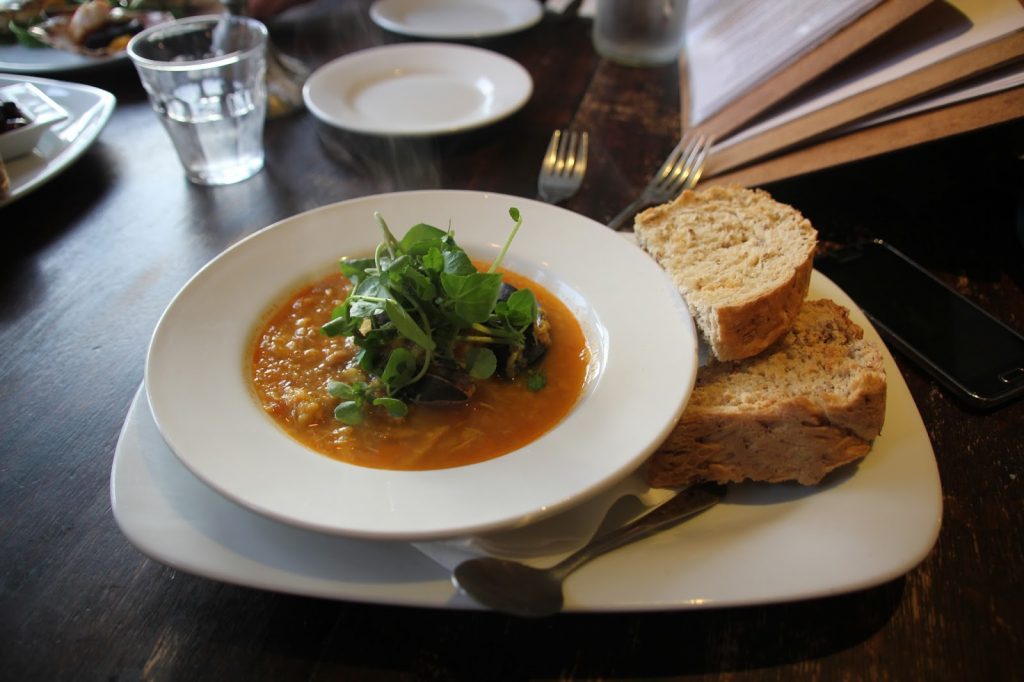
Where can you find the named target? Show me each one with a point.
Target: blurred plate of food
(52, 36)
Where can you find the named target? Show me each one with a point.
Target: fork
(681, 170)
(564, 165)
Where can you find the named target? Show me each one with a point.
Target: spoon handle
(687, 503)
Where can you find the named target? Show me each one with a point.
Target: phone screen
(962, 345)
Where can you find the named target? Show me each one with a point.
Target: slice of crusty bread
(812, 402)
(741, 260)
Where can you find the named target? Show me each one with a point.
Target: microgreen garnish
(536, 380)
(419, 309)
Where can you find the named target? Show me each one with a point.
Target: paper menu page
(939, 31)
(733, 45)
(997, 81)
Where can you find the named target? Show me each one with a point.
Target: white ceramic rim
(642, 339)
(520, 15)
(34, 61)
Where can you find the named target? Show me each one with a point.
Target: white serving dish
(59, 146)
(41, 112)
(865, 525)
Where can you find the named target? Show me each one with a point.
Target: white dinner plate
(88, 110)
(456, 19)
(642, 342)
(417, 89)
(765, 543)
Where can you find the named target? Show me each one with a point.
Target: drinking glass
(640, 32)
(205, 79)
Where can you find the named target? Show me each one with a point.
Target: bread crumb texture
(812, 402)
(741, 260)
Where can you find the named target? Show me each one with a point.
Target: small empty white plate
(417, 89)
(455, 19)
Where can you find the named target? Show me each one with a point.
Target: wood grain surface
(91, 259)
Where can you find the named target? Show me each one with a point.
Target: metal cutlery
(564, 165)
(517, 589)
(681, 170)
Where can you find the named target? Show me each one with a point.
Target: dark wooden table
(91, 259)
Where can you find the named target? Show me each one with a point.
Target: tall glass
(205, 77)
(640, 32)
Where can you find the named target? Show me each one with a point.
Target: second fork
(681, 170)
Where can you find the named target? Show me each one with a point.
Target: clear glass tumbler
(640, 32)
(205, 77)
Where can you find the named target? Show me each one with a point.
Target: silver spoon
(521, 590)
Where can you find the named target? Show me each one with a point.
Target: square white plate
(40, 112)
(764, 543)
(88, 110)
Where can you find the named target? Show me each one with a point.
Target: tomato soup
(292, 361)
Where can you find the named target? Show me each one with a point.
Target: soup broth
(292, 361)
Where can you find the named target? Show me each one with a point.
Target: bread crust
(812, 403)
(743, 306)
(748, 328)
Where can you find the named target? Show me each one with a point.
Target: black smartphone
(972, 353)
